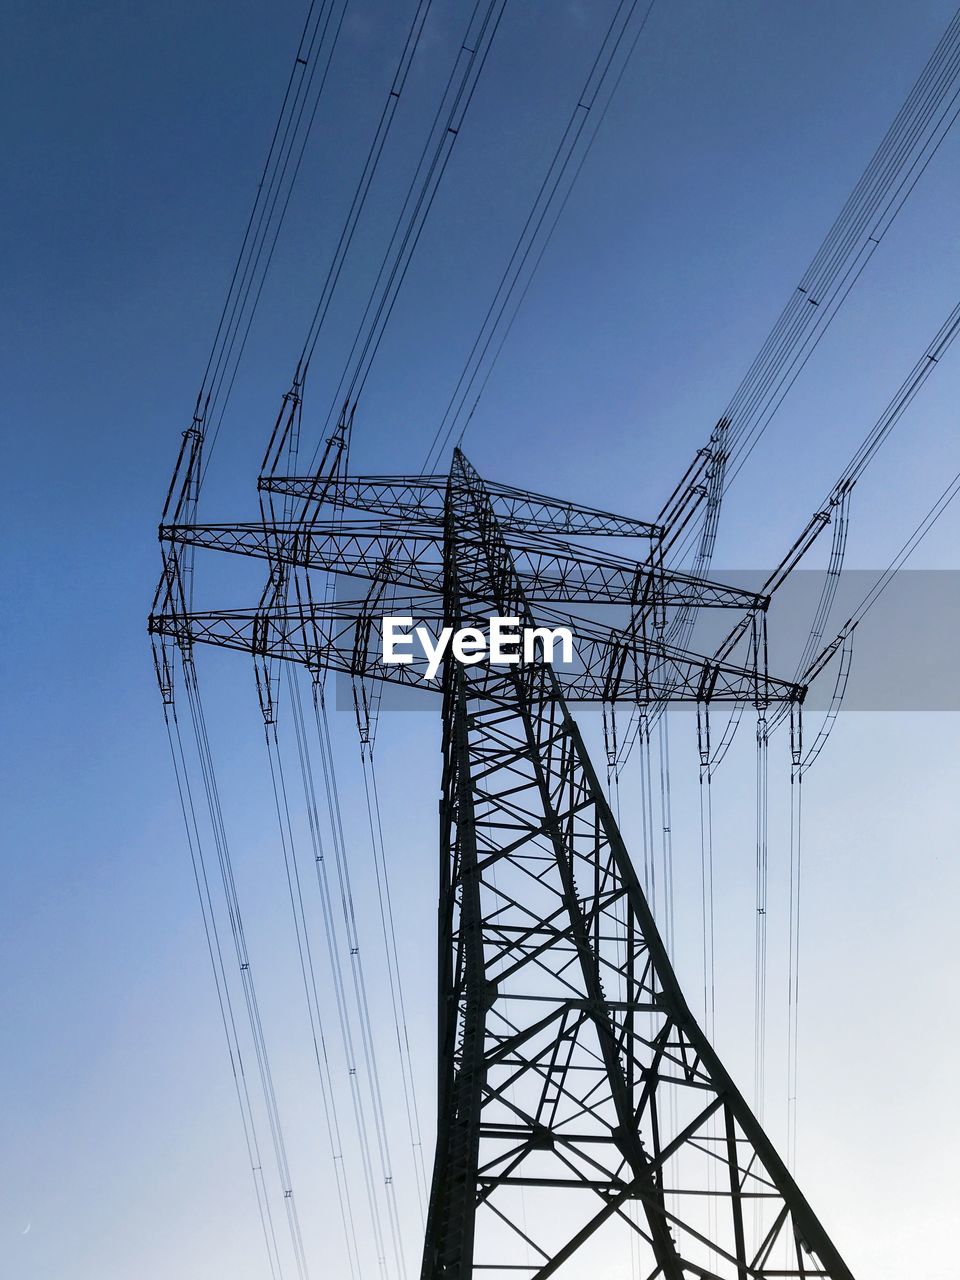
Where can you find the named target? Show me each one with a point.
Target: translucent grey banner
(904, 652)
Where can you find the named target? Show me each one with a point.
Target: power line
(551, 196)
(348, 910)
(396, 985)
(228, 882)
(308, 974)
(281, 169)
(374, 153)
(224, 999)
(909, 145)
(421, 193)
(337, 968)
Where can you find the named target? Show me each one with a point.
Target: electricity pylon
(583, 1116)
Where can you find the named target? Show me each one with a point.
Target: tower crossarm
(410, 554)
(418, 497)
(346, 637)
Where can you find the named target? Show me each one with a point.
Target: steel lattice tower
(582, 1111)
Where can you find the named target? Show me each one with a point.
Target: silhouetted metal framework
(582, 1112)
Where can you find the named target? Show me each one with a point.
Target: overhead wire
(224, 998)
(333, 944)
(708, 928)
(884, 580)
(367, 728)
(348, 909)
(909, 145)
(706, 867)
(420, 196)
(545, 242)
(802, 759)
(619, 910)
(760, 935)
(308, 51)
(335, 458)
(793, 957)
(287, 147)
(666, 819)
(371, 163)
(263, 186)
(397, 999)
(285, 440)
(834, 509)
(228, 882)
(896, 166)
(311, 993)
(546, 198)
(647, 815)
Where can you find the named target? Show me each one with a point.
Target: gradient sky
(133, 141)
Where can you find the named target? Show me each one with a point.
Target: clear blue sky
(133, 140)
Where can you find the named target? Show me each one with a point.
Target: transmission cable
(356, 968)
(835, 509)
(544, 201)
(336, 968)
(802, 760)
(264, 186)
(793, 962)
(338, 460)
(224, 999)
(880, 586)
(707, 909)
(760, 937)
(243, 960)
(903, 155)
(706, 867)
(287, 148)
(308, 974)
(374, 153)
(417, 204)
(397, 1001)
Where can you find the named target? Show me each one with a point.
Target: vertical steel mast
(582, 1111)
